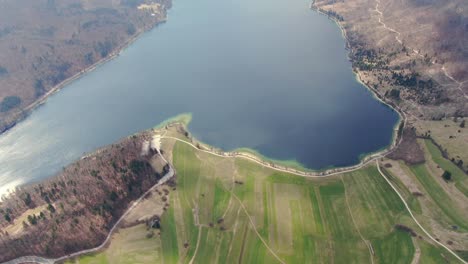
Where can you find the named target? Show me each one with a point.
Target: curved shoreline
(26, 111)
(400, 125)
(365, 160)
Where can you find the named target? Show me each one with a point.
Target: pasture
(230, 210)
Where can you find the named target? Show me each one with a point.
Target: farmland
(226, 210)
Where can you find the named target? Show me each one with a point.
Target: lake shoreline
(400, 125)
(361, 155)
(25, 112)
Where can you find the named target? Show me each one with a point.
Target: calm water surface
(268, 75)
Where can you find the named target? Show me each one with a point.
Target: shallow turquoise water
(268, 75)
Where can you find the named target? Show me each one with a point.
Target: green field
(440, 197)
(458, 176)
(129, 245)
(227, 210)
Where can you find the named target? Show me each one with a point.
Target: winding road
(41, 260)
(306, 174)
(329, 173)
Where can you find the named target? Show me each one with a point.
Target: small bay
(272, 76)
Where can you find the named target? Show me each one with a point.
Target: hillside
(76, 209)
(227, 209)
(413, 52)
(45, 42)
(236, 207)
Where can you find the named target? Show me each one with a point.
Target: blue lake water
(269, 75)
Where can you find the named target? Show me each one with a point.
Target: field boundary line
(414, 218)
(255, 229)
(304, 174)
(270, 165)
(198, 243)
(368, 243)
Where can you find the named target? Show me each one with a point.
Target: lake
(268, 75)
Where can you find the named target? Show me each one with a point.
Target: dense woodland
(45, 42)
(76, 209)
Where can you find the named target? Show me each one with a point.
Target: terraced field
(227, 210)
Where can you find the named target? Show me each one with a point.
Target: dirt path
(305, 174)
(247, 156)
(36, 259)
(399, 40)
(414, 218)
(255, 229)
(367, 242)
(417, 253)
(198, 243)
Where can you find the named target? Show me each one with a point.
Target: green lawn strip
(439, 196)
(352, 250)
(317, 217)
(460, 178)
(169, 250)
(128, 245)
(337, 216)
(245, 191)
(463, 254)
(224, 244)
(221, 200)
(254, 250)
(239, 234)
(273, 225)
(303, 241)
(188, 169)
(205, 199)
(99, 258)
(396, 247)
(410, 199)
(375, 206)
(307, 213)
(266, 211)
(280, 177)
(206, 246)
(431, 254)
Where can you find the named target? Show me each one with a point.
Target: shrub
(9, 103)
(51, 208)
(138, 166)
(39, 87)
(7, 217)
(447, 175)
(32, 219)
(3, 71)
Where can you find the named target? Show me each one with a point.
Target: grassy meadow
(227, 210)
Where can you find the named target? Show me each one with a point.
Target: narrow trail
(246, 156)
(414, 51)
(417, 254)
(255, 229)
(367, 242)
(303, 174)
(41, 260)
(198, 243)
